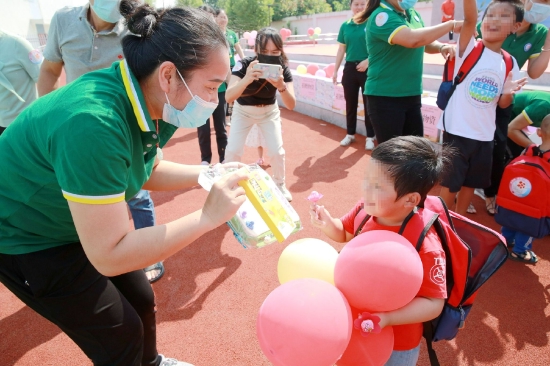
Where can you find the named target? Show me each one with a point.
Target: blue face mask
(537, 13)
(407, 4)
(195, 113)
(107, 10)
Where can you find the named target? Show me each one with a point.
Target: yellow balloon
(317, 30)
(307, 258)
(301, 69)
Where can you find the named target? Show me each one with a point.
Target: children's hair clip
(367, 324)
(314, 196)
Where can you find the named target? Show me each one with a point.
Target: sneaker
(480, 193)
(205, 163)
(172, 362)
(370, 143)
(347, 140)
(285, 192)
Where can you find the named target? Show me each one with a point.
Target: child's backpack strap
(416, 225)
(469, 62)
(509, 61)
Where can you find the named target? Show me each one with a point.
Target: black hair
(372, 5)
(516, 4)
(266, 34)
(184, 36)
(413, 163)
(207, 8)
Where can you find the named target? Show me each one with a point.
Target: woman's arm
(537, 66)
(515, 130)
(237, 85)
(413, 38)
(288, 96)
(339, 57)
(239, 50)
(113, 250)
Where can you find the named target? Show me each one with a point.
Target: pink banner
(430, 116)
(307, 87)
(339, 100)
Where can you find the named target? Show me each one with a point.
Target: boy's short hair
(545, 126)
(413, 162)
(517, 4)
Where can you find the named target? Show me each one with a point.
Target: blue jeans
(142, 210)
(522, 242)
(404, 358)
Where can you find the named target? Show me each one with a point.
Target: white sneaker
(480, 193)
(205, 163)
(172, 362)
(370, 143)
(347, 140)
(285, 192)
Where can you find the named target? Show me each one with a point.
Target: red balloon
(282, 32)
(373, 350)
(288, 32)
(378, 271)
(310, 31)
(304, 322)
(312, 69)
(329, 70)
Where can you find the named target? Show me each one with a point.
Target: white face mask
(537, 13)
(107, 10)
(195, 113)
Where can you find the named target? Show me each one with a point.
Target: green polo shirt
(232, 40)
(534, 105)
(353, 36)
(92, 141)
(526, 46)
(394, 71)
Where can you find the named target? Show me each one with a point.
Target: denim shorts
(404, 358)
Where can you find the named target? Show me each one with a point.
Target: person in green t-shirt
(65, 248)
(396, 41)
(529, 109)
(351, 42)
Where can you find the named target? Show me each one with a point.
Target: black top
(255, 93)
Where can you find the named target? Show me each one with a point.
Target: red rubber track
(210, 295)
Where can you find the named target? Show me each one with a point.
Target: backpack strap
(509, 61)
(362, 224)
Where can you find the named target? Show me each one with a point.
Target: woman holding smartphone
(255, 103)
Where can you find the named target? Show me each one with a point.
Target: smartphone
(269, 70)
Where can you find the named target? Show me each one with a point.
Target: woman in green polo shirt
(396, 41)
(351, 43)
(529, 109)
(65, 248)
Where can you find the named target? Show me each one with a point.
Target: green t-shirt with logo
(394, 70)
(534, 105)
(352, 35)
(92, 142)
(232, 40)
(526, 46)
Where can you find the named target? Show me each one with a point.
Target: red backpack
(473, 254)
(522, 200)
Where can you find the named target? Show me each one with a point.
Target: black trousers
(221, 134)
(352, 81)
(111, 319)
(395, 116)
(499, 151)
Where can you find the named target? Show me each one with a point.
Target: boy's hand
(384, 319)
(512, 86)
(319, 215)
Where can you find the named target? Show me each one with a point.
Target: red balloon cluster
(308, 321)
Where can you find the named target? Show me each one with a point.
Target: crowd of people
(94, 146)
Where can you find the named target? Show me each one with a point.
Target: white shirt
(471, 111)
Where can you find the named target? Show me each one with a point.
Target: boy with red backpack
(469, 115)
(517, 184)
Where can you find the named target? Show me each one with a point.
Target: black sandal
(155, 267)
(520, 257)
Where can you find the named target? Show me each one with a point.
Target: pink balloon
(320, 74)
(246, 35)
(329, 70)
(310, 31)
(312, 69)
(304, 322)
(253, 34)
(251, 41)
(378, 271)
(288, 32)
(373, 350)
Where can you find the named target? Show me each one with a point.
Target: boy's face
(499, 22)
(380, 195)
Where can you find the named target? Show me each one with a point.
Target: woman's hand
(362, 66)
(335, 78)
(252, 74)
(225, 198)
(457, 27)
(279, 82)
(448, 51)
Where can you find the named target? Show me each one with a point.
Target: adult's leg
(62, 285)
(270, 125)
(219, 125)
(241, 123)
(414, 124)
(387, 115)
(368, 123)
(351, 95)
(205, 144)
(499, 151)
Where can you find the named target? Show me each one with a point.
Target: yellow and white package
(266, 216)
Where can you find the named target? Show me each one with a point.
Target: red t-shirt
(431, 253)
(448, 11)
